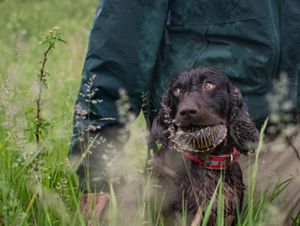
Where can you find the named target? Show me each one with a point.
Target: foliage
(50, 40)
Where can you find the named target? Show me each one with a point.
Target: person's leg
(99, 165)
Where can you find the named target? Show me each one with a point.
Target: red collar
(216, 162)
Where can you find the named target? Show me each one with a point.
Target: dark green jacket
(140, 45)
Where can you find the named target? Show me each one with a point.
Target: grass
(40, 191)
(41, 188)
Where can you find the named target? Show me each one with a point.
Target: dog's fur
(183, 186)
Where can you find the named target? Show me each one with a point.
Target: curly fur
(181, 179)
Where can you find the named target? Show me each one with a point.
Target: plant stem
(41, 78)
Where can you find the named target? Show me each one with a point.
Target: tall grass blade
(220, 207)
(210, 205)
(252, 180)
(113, 208)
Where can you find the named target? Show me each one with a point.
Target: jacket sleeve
(123, 45)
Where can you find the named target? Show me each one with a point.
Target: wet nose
(188, 112)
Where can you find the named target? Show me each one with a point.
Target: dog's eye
(176, 92)
(208, 86)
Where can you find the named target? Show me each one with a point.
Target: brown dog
(202, 127)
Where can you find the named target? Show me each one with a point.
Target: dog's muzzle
(199, 140)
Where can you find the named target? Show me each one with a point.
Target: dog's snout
(188, 112)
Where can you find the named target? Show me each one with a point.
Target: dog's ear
(242, 130)
(160, 128)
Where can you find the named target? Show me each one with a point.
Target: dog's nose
(188, 112)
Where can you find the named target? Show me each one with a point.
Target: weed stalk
(50, 40)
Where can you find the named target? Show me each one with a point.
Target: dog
(202, 127)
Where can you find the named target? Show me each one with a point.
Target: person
(137, 47)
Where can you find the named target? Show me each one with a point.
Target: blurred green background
(22, 23)
(43, 190)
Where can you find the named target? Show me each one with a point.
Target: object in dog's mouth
(199, 139)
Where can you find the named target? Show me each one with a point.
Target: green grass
(44, 190)
(40, 188)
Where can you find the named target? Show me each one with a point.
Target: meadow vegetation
(37, 184)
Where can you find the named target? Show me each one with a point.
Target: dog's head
(203, 109)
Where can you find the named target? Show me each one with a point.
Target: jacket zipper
(276, 35)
